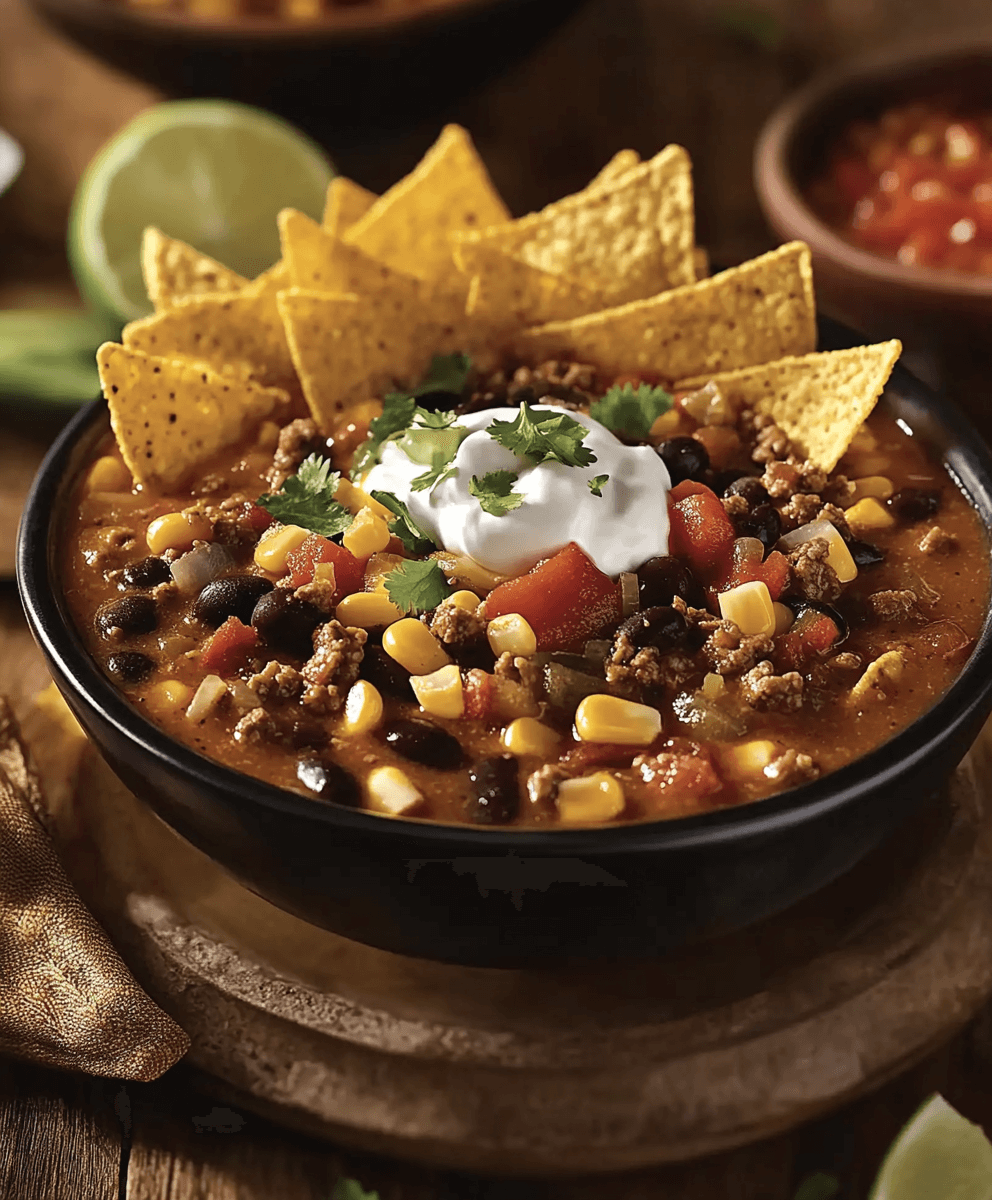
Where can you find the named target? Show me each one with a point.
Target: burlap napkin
(66, 998)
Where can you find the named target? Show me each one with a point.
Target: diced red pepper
(258, 518)
(676, 783)
(584, 756)
(701, 531)
(812, 635)
(773, 572)
(478, 694)
(564, 600)
(229, 647)
(349, 571)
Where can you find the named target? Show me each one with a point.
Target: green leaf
(307, 499)
(596, 484)
(397, 415)
(405, 527)
(548, 437)
(631, 410)
(435, 420)
(416, 587)
(351, 1189)
(818, 1187)
(494, 494)
(447, 373)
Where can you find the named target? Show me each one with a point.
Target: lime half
(211, 172)
(938, 1156)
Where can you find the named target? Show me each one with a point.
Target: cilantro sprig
(416, 587)
(596, 484)
(307, 499)
(544, 437)
(631, 410)
(415, 540)
(493, 491)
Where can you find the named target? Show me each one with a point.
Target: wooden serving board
(560, 1072)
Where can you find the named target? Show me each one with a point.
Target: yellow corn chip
(346, 203)
(751, 314)
(619, 164)
(449, 191)
(170, 416)
(239, 333)
(173, 270)
(509, 294)
(631, 237)
(319, 262)
(820, 400)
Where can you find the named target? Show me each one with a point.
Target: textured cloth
(66, 998)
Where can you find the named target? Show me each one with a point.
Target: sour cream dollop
(619, 530)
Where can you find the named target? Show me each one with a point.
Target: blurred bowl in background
(354, 67)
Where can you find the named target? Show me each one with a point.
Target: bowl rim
(776, 186)
(901, 756)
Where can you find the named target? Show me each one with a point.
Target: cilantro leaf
(307, 499)
(493, 492)
(596, 484)
(435, 420)
(416, 587)
(447, 373)
(397, 415)
(631, 410)
(405, 527)
(546, 437)
(437, 474)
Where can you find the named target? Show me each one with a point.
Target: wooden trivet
(560, 1072)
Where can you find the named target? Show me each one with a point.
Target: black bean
(287, 623)
(762, 522)
(328, 780)
(385, 673)
(304, 733)
(799, 605)
(146, 573)
(496, 791)
(661, 579)
(435, 401)
(661, 626)
(130, 614)
(424, 742)
(233, 596)
(472, 655)
(685, 458)
(129, 666)
(865, 554)
(751, 488)
(913, 504)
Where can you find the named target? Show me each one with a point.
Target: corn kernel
(177, 531)
(611, 719)
(713, 686)
(272, 551)
(355, 499)
(872, 485)
(838, 555)
(465, 599)
(749, 606)
(362, 708)
(511, 634)
(366, 534)
(414, 647)
(440, 693)
(108, 474)
(378, 567)
(596, 797)
(367, 610)
(784, 618)
(665, 425)
(170, 693)
(390, 791)
(750, 758)
(460, 569)
(868, 515)
(526, 735)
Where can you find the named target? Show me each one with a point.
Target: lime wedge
(938, 1156)
(211, 172)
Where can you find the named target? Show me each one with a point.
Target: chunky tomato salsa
(770, 623)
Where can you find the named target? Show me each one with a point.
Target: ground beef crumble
(894, 605)
(456, 626)
(337, 657)
(650, 668)
(764, 690)
(729, 652)
(256, 726)
(812, 575)
(296, 440)
(802, 508)
(937, 541)
(276, 682)
(791, 769)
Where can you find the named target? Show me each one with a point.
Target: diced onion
(206, 699)
(242, 695)
(629, 593)
(195, 569)
(806, 533)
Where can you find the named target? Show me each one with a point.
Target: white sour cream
(619, 531)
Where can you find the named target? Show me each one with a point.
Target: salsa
(798, 619)
(914, 185)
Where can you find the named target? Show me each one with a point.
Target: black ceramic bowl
(499, 898)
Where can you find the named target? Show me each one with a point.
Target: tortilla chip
(449, 191)
(820, 400)
(621, 162)
(347, 202)
(171, 416)
(173, 270)
(269, 282)
(509, 294)
(238, 333)
(632, 236)
(751, 314)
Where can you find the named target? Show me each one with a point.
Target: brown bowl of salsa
(719, 826)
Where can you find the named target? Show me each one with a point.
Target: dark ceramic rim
(773, 154)
(896, 759)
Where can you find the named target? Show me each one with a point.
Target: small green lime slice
(211, 172)
(938, 1156)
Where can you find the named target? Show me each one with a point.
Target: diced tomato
(229, 647)
(812, 635)
(676, 783)
(258, 518)
(478, 694)
(349, 571)
(773, 572)
(700, 530)
(564, 600)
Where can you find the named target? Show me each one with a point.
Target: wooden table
(623, 72)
